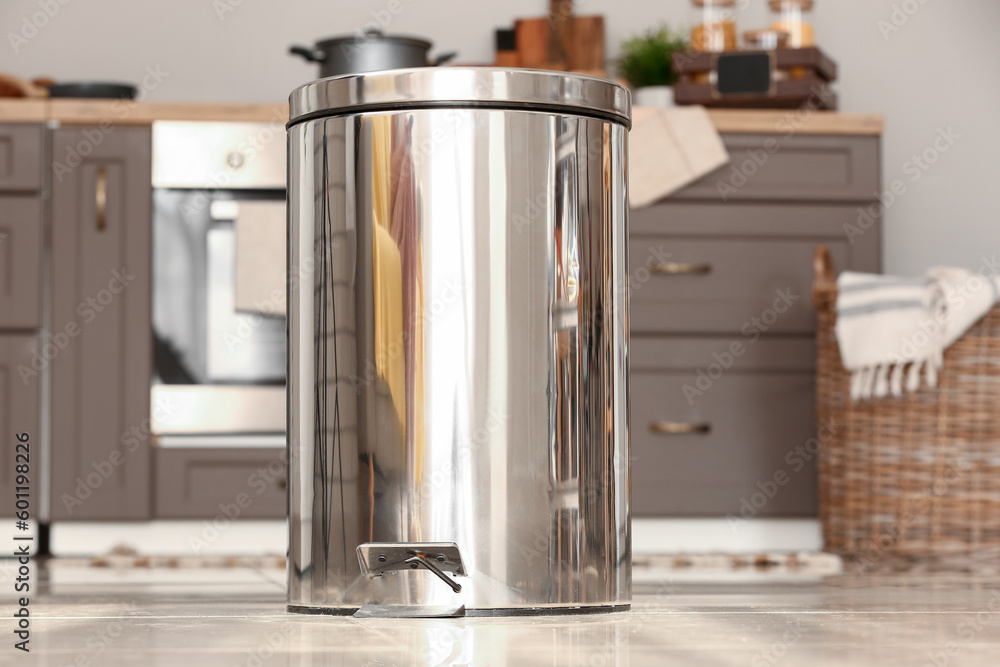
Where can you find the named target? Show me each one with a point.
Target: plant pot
(653, 96)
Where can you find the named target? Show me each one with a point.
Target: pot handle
(443, 58)
(312, 55)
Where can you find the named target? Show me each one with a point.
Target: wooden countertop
(127, 112)
(794, 121)
(123, 112)
(24, 111)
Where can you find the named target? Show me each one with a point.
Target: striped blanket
(891, 331)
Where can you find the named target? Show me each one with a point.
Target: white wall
(941, 69)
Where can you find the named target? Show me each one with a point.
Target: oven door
(217, 368)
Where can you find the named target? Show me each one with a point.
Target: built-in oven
(218, 279)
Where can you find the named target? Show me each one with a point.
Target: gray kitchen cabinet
(722, 353)
(20, 261)
(20, 396)
(21, 157)
(100, 276)
(22, 148)
(809, 168)
(234, 482)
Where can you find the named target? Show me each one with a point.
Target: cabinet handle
(680, 268)
(678, 428)
(101, 198)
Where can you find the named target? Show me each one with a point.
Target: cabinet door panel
(747, 455)
(19, 413)
(196, 483)
(101, 253)
(21, 147)
(724, 284)
(796, 168)
(20, 262)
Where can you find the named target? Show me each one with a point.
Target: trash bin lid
(461, 87)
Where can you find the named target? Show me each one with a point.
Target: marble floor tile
(236, 617)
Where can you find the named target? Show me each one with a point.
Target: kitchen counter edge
(125, 112)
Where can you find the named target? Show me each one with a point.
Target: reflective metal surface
(230, 155)
(216, 369)
(192, 409)
(458, 356)
(458, 86)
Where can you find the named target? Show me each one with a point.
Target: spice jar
(765, 39)
(717, 30)
(800, 33)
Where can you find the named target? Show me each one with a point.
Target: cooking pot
(368, 52)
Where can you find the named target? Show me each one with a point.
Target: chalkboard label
(743, 74)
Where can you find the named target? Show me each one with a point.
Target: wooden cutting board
(584, 37)
(586, 50)
(533, 42)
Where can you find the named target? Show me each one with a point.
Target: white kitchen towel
(260, 258)
(891, 329)
(669, 148)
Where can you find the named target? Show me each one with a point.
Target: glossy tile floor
(235, 616)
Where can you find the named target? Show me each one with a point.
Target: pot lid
(461, 87)
(372, 36)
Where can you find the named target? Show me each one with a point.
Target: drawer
(806, 167)
(674, 353)
(725, 285)
(765, 219)
(21, 147)
(20, 262)
(753, 424)
(20, 400)
(198, 483)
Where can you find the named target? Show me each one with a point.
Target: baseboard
(266, 538)
(668, 536)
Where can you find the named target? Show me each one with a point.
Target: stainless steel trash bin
(458, 343)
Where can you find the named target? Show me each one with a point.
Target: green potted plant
(645, 63)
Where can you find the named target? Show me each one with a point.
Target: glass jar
(800, 33)
(717, 28)
(766, 39)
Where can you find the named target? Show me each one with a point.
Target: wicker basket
(911, 482)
